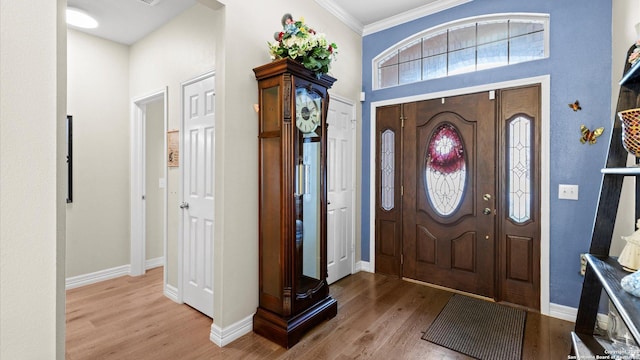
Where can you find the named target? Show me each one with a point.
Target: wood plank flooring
(379, 317)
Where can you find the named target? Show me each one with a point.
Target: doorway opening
(149, 183)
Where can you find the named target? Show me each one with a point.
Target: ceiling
(127, 21)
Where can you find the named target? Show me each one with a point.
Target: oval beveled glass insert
(445, 170)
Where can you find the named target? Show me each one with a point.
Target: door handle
(486, 211)
(184, 205)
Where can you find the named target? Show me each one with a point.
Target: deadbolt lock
(486, 197)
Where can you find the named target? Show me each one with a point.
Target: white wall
(98, 99)
(248, 26)
(181, 50)
(626, 14)
(155, 163)
(32, 118)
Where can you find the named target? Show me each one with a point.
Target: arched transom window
(463, 46)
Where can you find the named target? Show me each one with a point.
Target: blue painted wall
(579, 66)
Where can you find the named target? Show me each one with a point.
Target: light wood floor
(379, 317)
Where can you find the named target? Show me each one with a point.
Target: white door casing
(197, 168)
(340, 189)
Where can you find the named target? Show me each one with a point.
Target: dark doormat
(478, 328)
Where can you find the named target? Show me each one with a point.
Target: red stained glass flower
(445, 150)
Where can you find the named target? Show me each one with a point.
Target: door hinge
(401, 190)
(401, 259)
(402, 121)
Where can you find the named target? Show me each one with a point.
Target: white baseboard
(108, 274)
(171, 292)
(569, 314)
(223, 337)
(563, 312)
(363, 266)
(98, 276)
(154, 263)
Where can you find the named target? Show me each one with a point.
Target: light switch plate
(568, 192)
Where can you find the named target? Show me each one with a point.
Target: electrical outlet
(568, 192)
(583, 264)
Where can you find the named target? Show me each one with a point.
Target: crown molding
(342, 15)
(411, 15)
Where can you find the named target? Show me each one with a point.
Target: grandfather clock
(294, 294)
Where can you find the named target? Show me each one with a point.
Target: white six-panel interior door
(197, 162)
(340, 189)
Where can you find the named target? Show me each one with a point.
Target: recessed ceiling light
(151, 2)
(79, 18)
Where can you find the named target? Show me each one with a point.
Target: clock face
(308, 110)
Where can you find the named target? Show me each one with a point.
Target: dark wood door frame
(544, 181)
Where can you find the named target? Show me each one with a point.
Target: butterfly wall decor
(575, 106)
(589, 136)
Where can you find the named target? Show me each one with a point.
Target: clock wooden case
(294, 294)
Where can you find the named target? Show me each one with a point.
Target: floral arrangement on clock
(301, 43)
